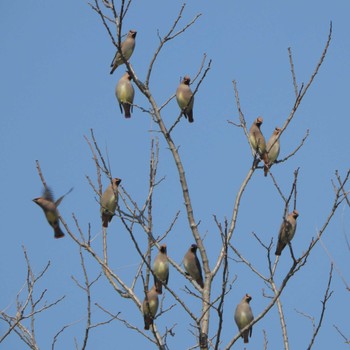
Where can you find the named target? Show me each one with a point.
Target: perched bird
(150, 307)
(185, 99)
(161, 269)
(109, 201)
(192, 265)
(243, 316)
(287, 231)
(124, 91)
(49, 206)
(272, 149)
(127, 48)
(257, 139)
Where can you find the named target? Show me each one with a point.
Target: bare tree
(21, 317)
(207, 325)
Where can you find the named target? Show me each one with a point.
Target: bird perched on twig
(109, 201)
(243, 316)
(257, 139)
(192, 265)
(161, 269)
(124, 91)
(287, 231)
(127, 48)
(185, 98)
(49, 206)
(150, 307)
(272, 149)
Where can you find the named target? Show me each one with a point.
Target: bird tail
(158, 285)
(127, 108)
(279, 249)
(148, 321)
(200, 282)
(246, 336)
(114, 67)
(266, 169)
(190, 117)
(58, 232)
(105, 220)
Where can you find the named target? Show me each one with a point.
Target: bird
(192, 265)
(127, 48)
(185, 99)
(161, 269)
(243, 316)
(272, 149)
(49, 206)
(287, 231)
(257, 139)
(109, 201)
(150, 307)
(124, 91)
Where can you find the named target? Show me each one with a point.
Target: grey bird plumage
(185, 99)
(124, 91)
(127, 48)
(49, 206)
(192, 265)
(161, 268)
(243, 316)
(109, 200)
(150, 307)
(287, 231)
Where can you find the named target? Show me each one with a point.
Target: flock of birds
(125, 92)
(268, 153)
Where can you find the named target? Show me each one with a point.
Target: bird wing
(59, 200)
(47, 194)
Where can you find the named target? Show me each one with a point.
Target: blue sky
(55, 86)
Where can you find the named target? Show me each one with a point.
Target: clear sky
(55, 86)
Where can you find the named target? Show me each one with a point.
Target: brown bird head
(38, 200)
(127, 75)
(277, 130)
(295, 213)
(162, 249)
(186, 80)
(193, 248)
(132, 33)
(148, 290)
(259, 121)
(247, 298)
(116, 181)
